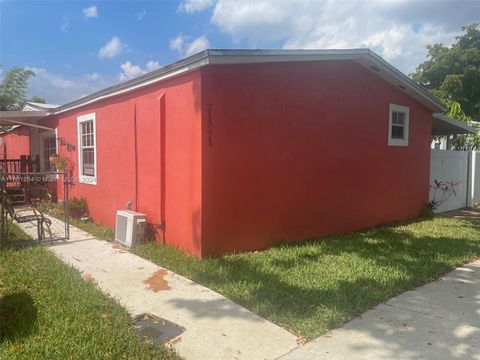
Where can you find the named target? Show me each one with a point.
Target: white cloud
(140, 15)
(57, 88)
(152, 65)
(199, 44)
(176, 44)
(111, 48)
(60, 88)
(130, 71)
(398, 30)
(184, 47)
(65, 24)
(90, 12)
(193, 6)
(94, 76)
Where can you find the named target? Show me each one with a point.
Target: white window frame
(406, 111)
(84, 179)
(41, 137)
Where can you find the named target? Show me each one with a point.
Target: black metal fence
(34, 208)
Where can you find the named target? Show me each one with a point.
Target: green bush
(78, 208)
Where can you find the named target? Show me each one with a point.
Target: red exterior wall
(255, 154)
(16, 143)
(300, 150)
(116, 180)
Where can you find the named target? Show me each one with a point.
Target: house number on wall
(69, 147)
(210, 125)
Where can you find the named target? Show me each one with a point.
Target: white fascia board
(365, 57)
(127, 89)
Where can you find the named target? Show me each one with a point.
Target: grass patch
(15, 233)
(47, 311)
(98, 231)
(320, 284)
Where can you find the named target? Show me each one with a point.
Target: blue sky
(77, 47)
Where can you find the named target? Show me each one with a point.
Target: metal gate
(34, 208)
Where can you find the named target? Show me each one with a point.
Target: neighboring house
(444, 142)
(234, 150)
(20, 140)
(14, 142)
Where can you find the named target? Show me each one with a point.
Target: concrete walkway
(216, 328)
(440, 320)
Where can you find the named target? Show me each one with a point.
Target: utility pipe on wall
(162, 147)
(136, 154)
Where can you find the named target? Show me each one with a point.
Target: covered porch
(26, 146)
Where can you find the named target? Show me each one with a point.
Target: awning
(443, 125)
(24, 118)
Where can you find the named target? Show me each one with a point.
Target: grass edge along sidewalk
(48, 311)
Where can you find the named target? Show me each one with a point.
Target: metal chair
(34, 215)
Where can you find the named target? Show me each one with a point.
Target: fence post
(66, 215)
(472, 159)
(3, 214)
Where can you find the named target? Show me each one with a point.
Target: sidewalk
(216, 328)
(440, 320)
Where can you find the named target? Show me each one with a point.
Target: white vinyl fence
(454, 179)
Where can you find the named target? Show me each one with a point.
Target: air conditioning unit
(130, 227)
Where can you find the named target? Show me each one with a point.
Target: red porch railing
(26, 164)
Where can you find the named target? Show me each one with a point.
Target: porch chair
(34, 215)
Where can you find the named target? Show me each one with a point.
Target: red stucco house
(235, 150)
(15, 143)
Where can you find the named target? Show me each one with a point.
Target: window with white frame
(49, 149)
(87, 152)
(47, 146)
(398, 125)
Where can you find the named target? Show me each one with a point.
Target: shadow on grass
(18, 316)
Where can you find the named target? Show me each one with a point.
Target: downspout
(161, 104)
(136, 154)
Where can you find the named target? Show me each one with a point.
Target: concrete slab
(438, 321)
(464, 213)
(216, 328)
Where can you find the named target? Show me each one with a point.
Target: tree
(38, 99)
(463, 142)
(13, 88)
(453, 73)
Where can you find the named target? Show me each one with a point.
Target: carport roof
(443, 125)
(24, 118)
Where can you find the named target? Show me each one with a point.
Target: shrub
(427, 211)
(77, 208)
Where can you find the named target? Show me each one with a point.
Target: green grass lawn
(47, 311)
(16, 234)
(56, 210)
(317, 285)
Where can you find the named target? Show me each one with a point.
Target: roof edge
(231, 56)
(456, 123)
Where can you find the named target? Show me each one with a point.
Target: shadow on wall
(18, 316)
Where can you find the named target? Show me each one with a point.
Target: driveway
(440, 320)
